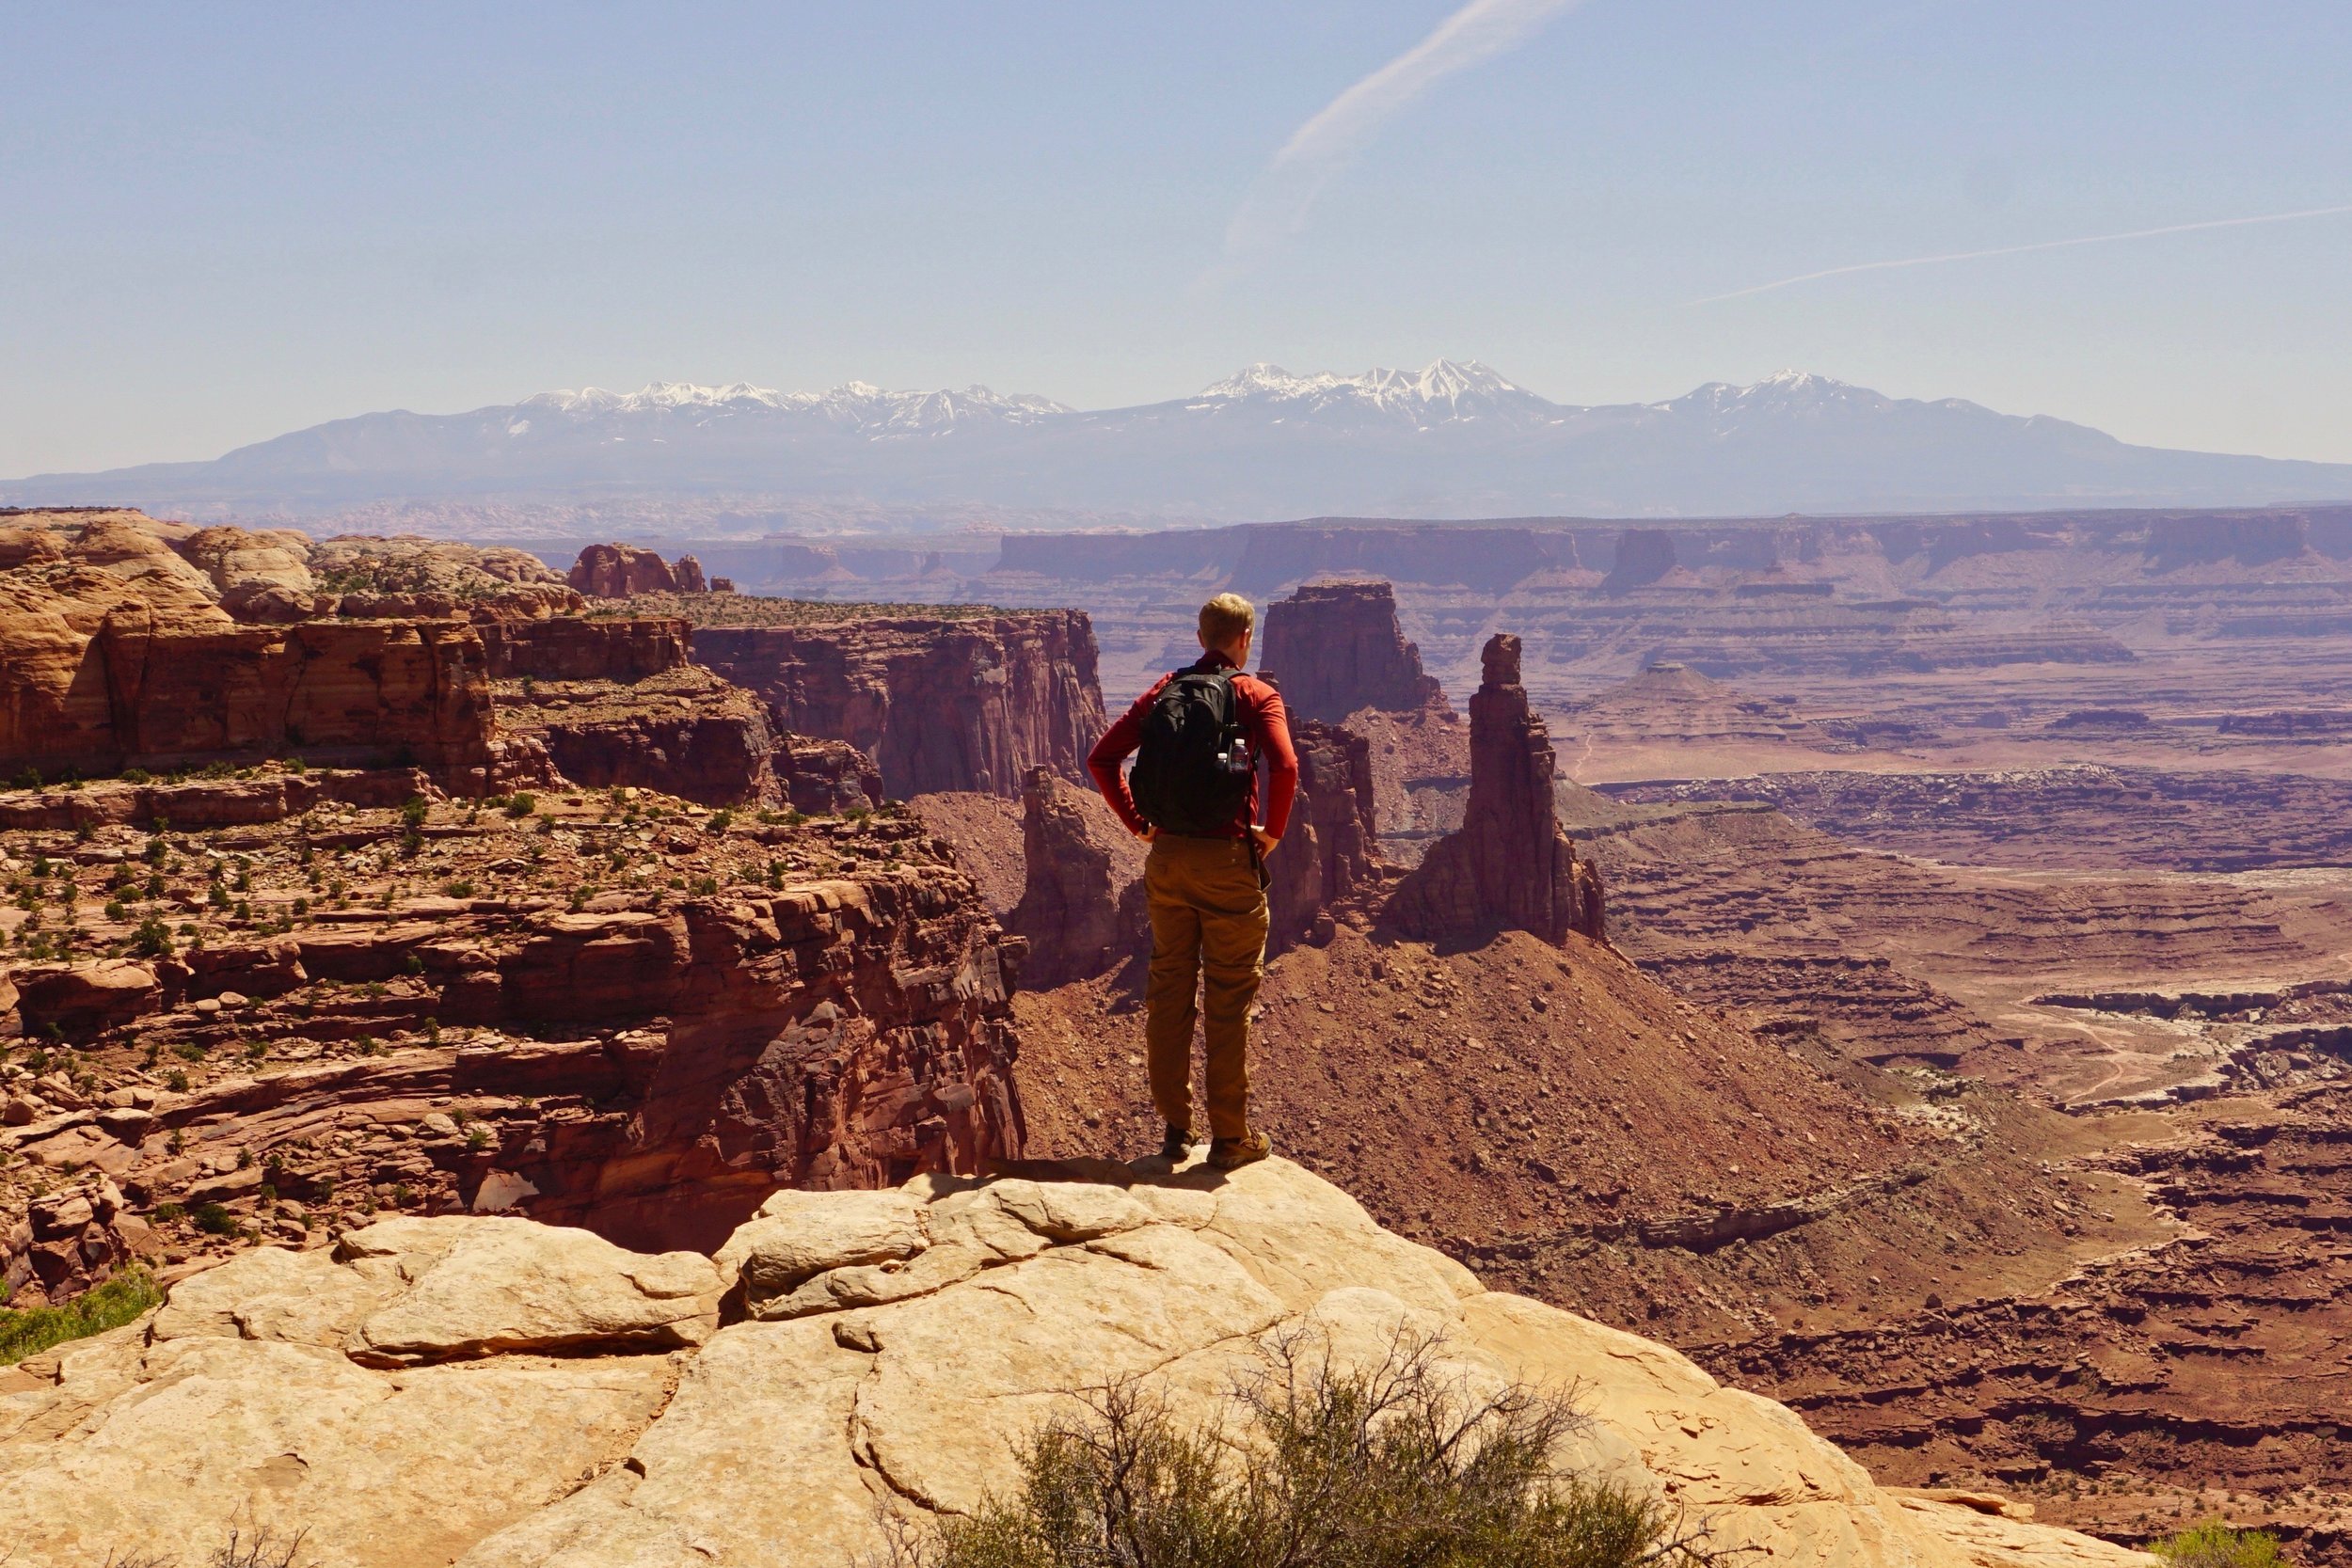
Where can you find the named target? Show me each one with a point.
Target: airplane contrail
(1278, 202)
(2021, 249)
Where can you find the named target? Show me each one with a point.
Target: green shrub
(2214, 1545)
(521, 803)
(1393, 1467)
(215, 1219)
(111, 1304)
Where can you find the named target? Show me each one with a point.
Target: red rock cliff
(575, 648)
(95, 673)
(938, 704)
(1082, 898)
(1509, 865)
(1337, 647)
(1330, 858)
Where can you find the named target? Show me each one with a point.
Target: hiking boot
(1177, 1146)
(1233, 1154)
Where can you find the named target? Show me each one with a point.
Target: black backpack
(1192, 769)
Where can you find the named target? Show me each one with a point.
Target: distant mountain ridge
(1453, 439)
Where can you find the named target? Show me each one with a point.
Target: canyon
(1846, 952)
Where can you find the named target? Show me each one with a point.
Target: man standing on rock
(1202, 732)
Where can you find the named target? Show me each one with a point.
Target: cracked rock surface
(492, 1392)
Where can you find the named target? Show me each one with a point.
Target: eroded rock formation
(684, 732)
(95, 675)
(826, 777)
(670, 1063)
(1081, 905)
(1337, 647)
(1330, 860)
(921, 1333)
(576, 648)
(1508, 865)
(939, 704)
(619, 571)
(125, 641)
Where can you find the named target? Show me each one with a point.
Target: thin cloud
(2020, 250)
(1277, 203)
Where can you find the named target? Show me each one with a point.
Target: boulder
(82, 1000)
(270, 968)
(482, 1285)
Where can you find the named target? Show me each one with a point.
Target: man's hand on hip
(1266, 841)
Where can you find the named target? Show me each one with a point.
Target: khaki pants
(1208, 919)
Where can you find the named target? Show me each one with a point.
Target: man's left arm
(1274, 744)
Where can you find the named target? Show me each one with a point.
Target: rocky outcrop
(96, 675)
(619, 571)
(918, 1335)
(826, 777)
(1081, 905)
(1508, 865)
(1328, 863)
(685, 732)
(1337, 647)
(207, 802)
(939, 704)
(78, 1001)
(839, 1032)
(577, 648)
(70, 1239)
(689, 573)
(260, 576)
(128, 642)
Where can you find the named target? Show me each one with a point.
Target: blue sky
(221, 222)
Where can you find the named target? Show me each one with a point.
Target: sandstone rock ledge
(497, 1393)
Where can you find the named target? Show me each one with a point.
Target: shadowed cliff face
(939, 705)
(1336, 648)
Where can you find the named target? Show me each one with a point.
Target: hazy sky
(224, 221)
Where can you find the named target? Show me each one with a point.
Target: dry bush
(1395, 1466)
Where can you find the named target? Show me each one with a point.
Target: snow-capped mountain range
(1453, 439)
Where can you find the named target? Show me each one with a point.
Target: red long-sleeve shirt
(1263, 724)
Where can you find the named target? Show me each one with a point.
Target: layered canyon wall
(963, 704)
(1336, 647)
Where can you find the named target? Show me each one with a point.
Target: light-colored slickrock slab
(892, 1350)
(384, 1470)
(480, 1286)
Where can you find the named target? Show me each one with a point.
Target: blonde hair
(1225, 617)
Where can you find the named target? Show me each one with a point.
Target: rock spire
(1509, 865)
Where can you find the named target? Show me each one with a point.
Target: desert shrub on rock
(1393, 1467)
(102, 1307)
(2214, 1545)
